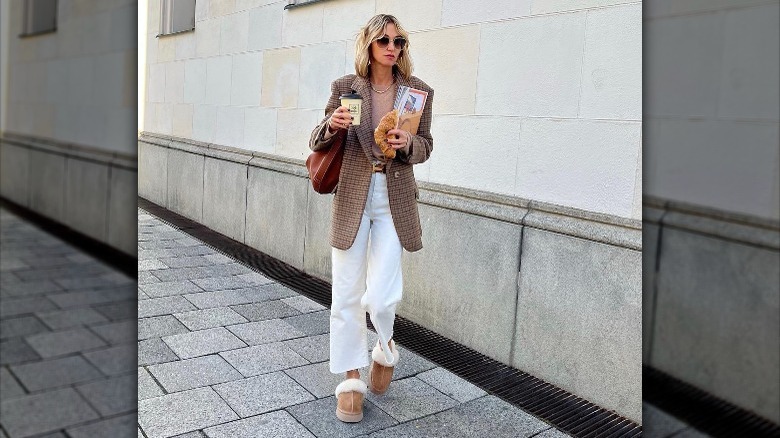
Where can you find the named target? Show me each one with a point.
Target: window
(176, 16)
(40, 16)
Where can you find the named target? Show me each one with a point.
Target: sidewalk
(67, 339)
(226, 351)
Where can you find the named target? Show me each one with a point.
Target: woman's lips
(390, 56)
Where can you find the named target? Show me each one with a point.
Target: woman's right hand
(340, 119)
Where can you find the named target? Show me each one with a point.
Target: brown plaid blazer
(355, 176)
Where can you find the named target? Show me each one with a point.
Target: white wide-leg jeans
(366, 278)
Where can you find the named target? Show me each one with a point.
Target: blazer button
(397, 174)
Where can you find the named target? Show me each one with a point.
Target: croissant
(388, 122)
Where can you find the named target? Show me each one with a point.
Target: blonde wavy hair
(374, 29)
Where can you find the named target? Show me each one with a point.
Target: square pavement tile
(317, 378)
(174, 274)
(151, 264)
(112, 396)
(9, 386)
(64, 342)
(68, 318)
(147, 387)
(303, 304)
(21, 306)
(106, 280)
(314, 323)
(411, 398)
(117, 427)
(114, 360)
(127, 309)
(451, 385)
(119, 332)
(84, 298)
(266, 310)
(203, 342)
(22, 326)
(163, 306)
(193, 373)
(30, 288)
(159, 326)
(223, 298)
(241, 281)
(409, 364)
(147, 278)
(188, 261)
(312, 348)
(485, 416)
(15, 350)
(55, 373)
(555, 433)
(169, 288)
(152, 351)
(209, 318)
(46, 412)
(260, 394)
(658, 424)
(319, 417)
(261, 359)
(279, 424)
(263, 332)
(183, 412)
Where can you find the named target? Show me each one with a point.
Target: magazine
(410, 103)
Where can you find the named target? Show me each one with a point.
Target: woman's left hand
(398, 138)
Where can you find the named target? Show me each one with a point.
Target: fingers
(397, 138)
(340, 119)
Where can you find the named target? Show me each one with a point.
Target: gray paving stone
(279, 424)
(193, 373)
(411, 398)
(9, 386)
(101, 281)
(142, 295)
(151, 264)
(169, 288)
(317, 378)
(552, 433)
(64, 342)
(485, 416)
(314, 323)
(45, 412)
(152, 351)
(233, 297)
(147, 387)
(303, 304)
(21, 306)
(117, 427)
(112, 396)
(119, 332)
(189, 261)
(241, 281)
(195, 434)
(319, 417)
(203, 342)
(55, 373)
(174, 274)
(260, 394)
(159, 326)
(16, 350)
(266, 310)
(219, 259)
(658, 424)
(63, 273)
(114, 360)
(261, 359)
(147, 278)
(68, 318)
(183, 412)
(163, 306)
(185, 251)
(21, 326)
(450, 384)
(119, 310)
(86, 298)
(209, 318)
(312, 348)
(410, 364)
(691, 433)
(29, 288)
(263, 332)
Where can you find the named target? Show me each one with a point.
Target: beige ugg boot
(381, 372)
(350, 394)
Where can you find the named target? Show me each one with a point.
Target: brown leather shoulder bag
(325, 165)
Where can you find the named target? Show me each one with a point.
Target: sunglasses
(398, 42)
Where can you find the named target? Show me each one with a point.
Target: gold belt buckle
(378, 167)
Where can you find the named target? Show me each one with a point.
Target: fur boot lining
(351, 385)
(379, 356)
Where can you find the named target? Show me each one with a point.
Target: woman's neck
(381, 76)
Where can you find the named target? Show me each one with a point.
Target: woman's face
(388, 55)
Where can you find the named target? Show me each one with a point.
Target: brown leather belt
(378, 167)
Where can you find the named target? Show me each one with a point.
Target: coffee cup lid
(351, 95)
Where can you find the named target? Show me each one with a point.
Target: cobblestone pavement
(67, 339)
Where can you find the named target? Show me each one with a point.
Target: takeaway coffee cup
(354, 102)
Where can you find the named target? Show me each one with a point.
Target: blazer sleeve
(422, 144)
(320, 139)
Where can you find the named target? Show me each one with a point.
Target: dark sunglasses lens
(399, 43)
(383, 42)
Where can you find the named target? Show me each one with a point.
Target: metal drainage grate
(701, 410)
(565, 411)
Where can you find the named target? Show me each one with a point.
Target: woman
(374, 210)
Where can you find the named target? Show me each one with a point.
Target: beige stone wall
(537, 99)
(76, 85)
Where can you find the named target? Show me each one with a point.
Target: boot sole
(348, 418)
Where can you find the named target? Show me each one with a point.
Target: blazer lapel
(364, 132)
